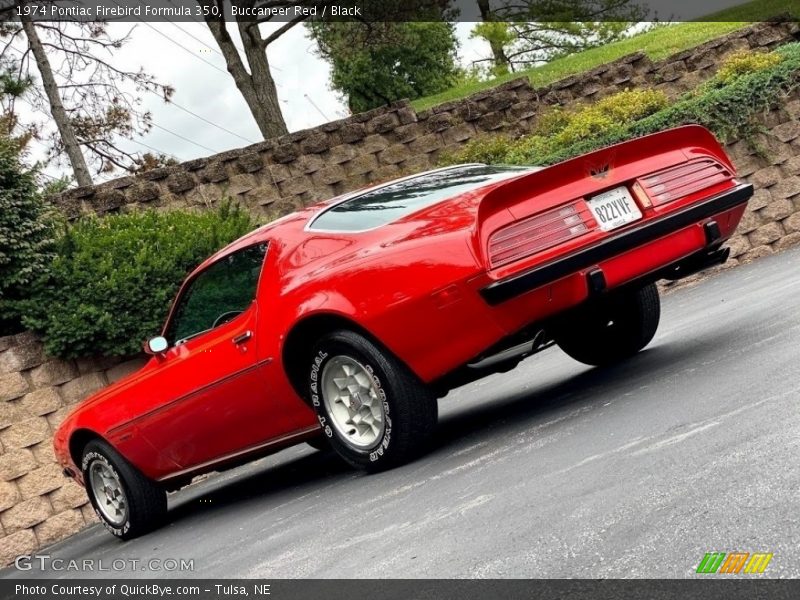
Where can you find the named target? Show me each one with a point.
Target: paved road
(553, 470)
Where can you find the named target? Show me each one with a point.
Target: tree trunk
(256, 86)
(68, 138)
(262, 81)
(498, 52)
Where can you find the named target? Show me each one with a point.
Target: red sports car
(342, 323)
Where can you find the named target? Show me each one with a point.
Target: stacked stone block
(38, 505)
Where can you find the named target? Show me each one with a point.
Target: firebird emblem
(600, 171)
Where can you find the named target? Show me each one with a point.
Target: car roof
(303, 219)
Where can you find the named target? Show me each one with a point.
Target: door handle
(242, 338)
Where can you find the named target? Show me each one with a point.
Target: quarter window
(218, 294)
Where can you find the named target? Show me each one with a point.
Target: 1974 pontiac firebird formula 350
(342, 324)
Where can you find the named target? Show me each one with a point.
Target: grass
(657, 44)
(746, 86)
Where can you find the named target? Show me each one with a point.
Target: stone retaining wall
(38, 505)
(772, 220)
(275, 177)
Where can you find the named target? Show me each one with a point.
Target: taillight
(539, 232)
(682, 180)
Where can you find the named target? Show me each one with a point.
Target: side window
(218, 294)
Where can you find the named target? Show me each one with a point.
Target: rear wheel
(127, 502)
(375, 413)
(611, 328)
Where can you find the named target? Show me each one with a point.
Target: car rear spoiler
(593, 173)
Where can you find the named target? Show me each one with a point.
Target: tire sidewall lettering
(86, 462)
(314, 379)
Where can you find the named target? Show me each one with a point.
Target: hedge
(112, 281)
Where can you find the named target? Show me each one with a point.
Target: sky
(185, 56)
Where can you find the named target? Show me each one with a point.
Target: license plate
(614, 208)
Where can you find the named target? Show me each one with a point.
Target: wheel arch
(304, 333)
(78, 441)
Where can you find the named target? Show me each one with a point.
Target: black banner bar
(371, 11)
(711, 588)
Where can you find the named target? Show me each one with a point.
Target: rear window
(394, 201)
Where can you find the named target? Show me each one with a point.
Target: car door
(211, 379)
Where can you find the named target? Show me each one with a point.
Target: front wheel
(127, 502)
(374, 411)
(611, 328)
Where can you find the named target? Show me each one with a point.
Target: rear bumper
(511, 287)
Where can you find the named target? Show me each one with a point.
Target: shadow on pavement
(490, 418)
(536, 403)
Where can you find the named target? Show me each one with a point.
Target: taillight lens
(539, 232)
(682, 180)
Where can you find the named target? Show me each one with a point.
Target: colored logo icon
(734, 562)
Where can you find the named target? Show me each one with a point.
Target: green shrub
(731, 110)
(552, 120)
(484, 149)
(609, 114)
(558, 127)
(729, 106)
(25, 233)
(113, 279)
(745, 62)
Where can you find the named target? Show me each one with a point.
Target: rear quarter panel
(410, 293)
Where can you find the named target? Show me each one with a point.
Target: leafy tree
(25, 233)
(498, 35)
(527, 32)
(373, 64)
(248, 62)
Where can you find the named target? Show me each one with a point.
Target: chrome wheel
(353, 402)
(109, 495)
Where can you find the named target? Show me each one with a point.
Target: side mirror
(156, 345)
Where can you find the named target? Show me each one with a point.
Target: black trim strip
(201, 390)
(514, 286)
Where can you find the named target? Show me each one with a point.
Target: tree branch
(283, 29)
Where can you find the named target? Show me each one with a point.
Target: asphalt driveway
(552, 470)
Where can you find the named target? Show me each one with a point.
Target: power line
(212, 65)
(153, 149)
(166, 37)
(186, 110)
(40, 110)
(194, 54)
(319, 110)
(197, 39)
(199, 145)
(202, 118)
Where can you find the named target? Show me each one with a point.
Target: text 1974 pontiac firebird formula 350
(344, 322)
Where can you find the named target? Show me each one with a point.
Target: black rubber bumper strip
(509, 288)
